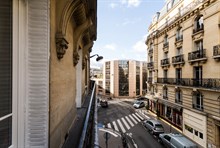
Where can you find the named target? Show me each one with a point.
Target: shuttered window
(5, 73)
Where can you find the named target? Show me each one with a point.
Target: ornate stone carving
(61, 45)
(75, 58)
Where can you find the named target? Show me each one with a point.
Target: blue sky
(122, 29)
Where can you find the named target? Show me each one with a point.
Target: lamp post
(98, 57)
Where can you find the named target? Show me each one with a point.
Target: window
(179, 34)
(199, 45)
(197, 81)
(6, 73)
(178, 98)
(198, 101)
(201, 135)
(188, 128)
(165, 93)
(167, 137)
(123, 68)
(198, 25)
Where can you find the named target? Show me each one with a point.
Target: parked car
(138, 104)
(141, 98)
(154, 126)
(104, 103)
(176, 141)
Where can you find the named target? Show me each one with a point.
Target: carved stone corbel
(75, 58)
(61, 45)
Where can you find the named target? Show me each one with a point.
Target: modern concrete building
(45, 50)
(184, 68)
(124, 78)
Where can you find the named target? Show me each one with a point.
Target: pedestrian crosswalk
(125, 123)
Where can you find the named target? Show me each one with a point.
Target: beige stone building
(124, 78)
(184, 68)
(45, 50)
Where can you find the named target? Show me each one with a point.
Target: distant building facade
(184, 68)
(124, 78)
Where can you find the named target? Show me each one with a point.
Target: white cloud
(111, 46)
(113, 5)
(131, 3)
(140, 45)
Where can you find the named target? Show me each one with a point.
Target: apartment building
(184, 67)
(124, 78)
(45, 50)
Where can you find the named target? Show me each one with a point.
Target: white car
(138, 104)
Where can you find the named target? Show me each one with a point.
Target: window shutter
(36, 128)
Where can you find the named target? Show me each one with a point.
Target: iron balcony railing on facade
(198, 29)
(150, 65)
(198, 107)
(216, 51)
(166, 44)
(149, 79)
(165, 62)
(192, 82)
(178, 59)
(150, 51)
(198, 54)
(179, 38)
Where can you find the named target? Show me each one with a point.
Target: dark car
(141, 98)
(104, 103)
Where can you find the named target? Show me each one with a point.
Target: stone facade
(183, 45)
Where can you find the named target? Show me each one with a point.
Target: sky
(122, 27)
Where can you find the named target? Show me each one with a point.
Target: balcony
(150, 65)
(179, 38)
(179, 59)
(198, 55)
(149, 79)
(165, 62)
(197, 30)
(165, 46)
(150, 51)
(216, 52)
(192, 82)
(198, 107)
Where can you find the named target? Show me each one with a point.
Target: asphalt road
(121, 116)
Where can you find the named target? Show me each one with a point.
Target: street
(122, 117)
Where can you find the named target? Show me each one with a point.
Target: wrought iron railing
(192, 82)
(198, 29)
(165, 45)
(198, 54)
(87, 136)
(179, 37)
(198, 107)
(216, 50)
(165, 62)
(178, 59)
(150, 65)
(150, 51)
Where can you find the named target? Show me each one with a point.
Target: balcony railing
(165, 62)
(198, 29)
(149, 79)
(198, 107)
(192, 82)
(150, 51)
(216, 51)
(179, 38)
(178, 59)
(165, 45)
(196, 55)
(150, 65)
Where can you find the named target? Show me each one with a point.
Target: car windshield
(158, 126)
(138, 102)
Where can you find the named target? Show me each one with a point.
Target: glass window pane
(5, 132)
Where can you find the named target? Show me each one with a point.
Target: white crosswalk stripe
(125, 123)
(109, 125)
(139, 116)
(115, 126)
(121, 126)
(126, 117)
(136, 117)
(133, 119)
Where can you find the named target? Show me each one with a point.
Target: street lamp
(98, 57)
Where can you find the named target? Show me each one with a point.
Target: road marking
(136, 117)
(109, 125)
(115, 126)
(121, 126)
(133, 119)
(125, 123)
(129, 121)
(139, 116)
